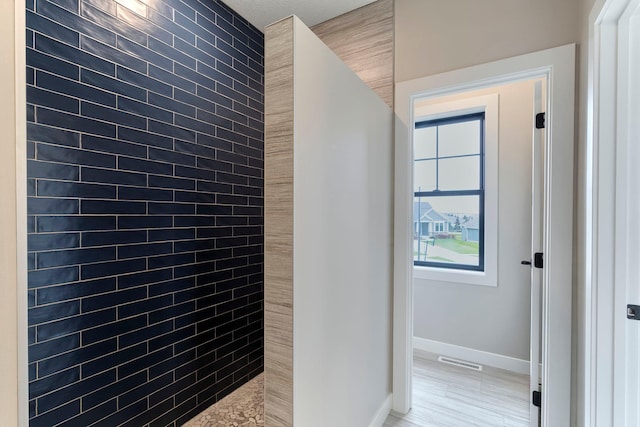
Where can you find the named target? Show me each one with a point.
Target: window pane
(459, 139)
(459, 173)
(447, 230)
(424, 175)
(424, 143)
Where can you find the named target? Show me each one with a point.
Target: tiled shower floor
(243, 407)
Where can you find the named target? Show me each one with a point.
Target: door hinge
(537, 260)
(540, 120)
(536, 399)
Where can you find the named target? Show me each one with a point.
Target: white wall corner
(382, 413)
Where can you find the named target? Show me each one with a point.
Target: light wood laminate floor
(450, 396)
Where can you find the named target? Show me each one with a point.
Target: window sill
(482, 278)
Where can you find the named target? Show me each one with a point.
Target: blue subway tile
(31, 112)
(75, 223)
(51, 312)
(50, 241)
(108, 145)
(134, 193)
(225, 24)
(142, 81)
(171, 209)
(40, 133)
(74, 324)
(76, 390)
(112, 116)
(97, 397)
(213, 51)
(112, 85)
(112, 299)
(109, 176)
(171, 234)
(74, 55)
(50, 99)
(174, 183)
(74, 189)
(144, 109)
(167, 24)
(56, 416)
(169, 223)
(172, 131)
(232, 51)
(170, 52)
(192, 99)
(214, 165)
(145, 249)
(51, 28)
(145, 277)
(79, 157)
(144, 222)
(41, 205)
(75, 290)
(115, 358)
(172, 105)
(145, 389)
(51, 348)
(145, 306)
(46, 170)
(74, 257)
(172, 286)
(171, 260)
(116, 56)
(171, 79)
(50, 383)
(142, 137)
(113, 237)
(104, 269)
(144, 53)
(100, 19)
(42, 61)
(95, 414)
(113, 329)
(85, 27)
(189, 48)
(112, 207)
(148, 166)
(77, 123)
(145, 25)
(52, 276)
(145, 334)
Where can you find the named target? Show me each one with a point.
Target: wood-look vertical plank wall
(278, 218)
(363, 39)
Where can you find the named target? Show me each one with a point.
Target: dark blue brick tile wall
(145, 178)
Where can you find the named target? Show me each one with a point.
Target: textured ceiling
(264, 12)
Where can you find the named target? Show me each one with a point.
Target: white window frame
(489, 104)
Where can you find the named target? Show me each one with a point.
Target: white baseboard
(477, 356)
(382, 413)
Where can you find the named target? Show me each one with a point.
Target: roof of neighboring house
(427, 213)
(473, 222)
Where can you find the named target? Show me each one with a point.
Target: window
(449, 192)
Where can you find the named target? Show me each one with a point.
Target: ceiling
(264, 12)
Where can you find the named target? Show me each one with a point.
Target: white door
(537, 204)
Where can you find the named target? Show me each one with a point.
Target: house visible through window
(448, 206)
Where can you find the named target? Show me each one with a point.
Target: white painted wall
(492, 319)
(434, 36)
(342, 241)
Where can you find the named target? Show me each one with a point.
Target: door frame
(612, 383)
(557, 65)
(13, 211)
